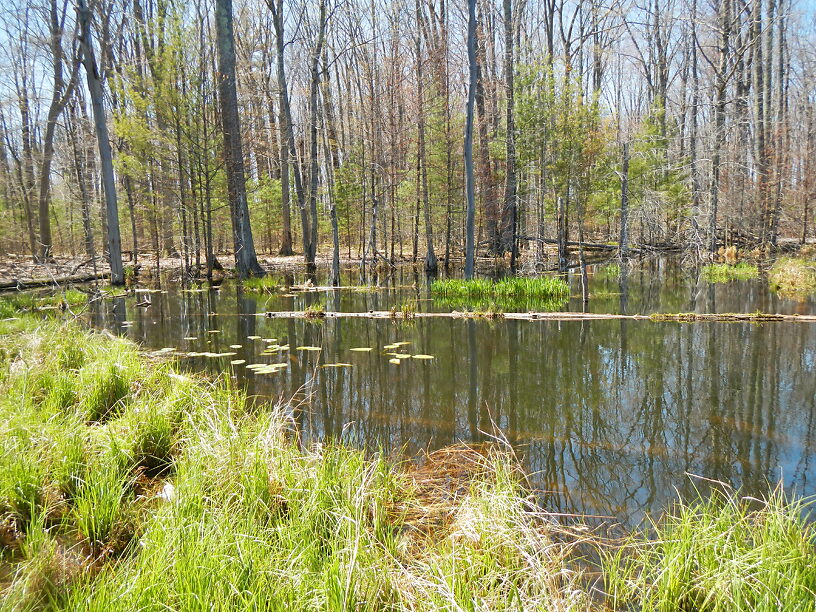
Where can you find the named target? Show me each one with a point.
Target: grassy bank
(125, 485)
(793, 276)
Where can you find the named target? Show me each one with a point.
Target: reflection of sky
(609, 415)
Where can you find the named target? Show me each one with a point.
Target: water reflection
(608, 415)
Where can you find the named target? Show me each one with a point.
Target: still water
(610, 417)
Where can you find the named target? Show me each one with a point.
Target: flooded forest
(407, 305)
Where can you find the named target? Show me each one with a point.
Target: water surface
(609, 416)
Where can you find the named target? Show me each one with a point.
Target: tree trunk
(510, 242)
(105, 156)
(246, 261)
(313, 116)
(623, 246)
(470, 246)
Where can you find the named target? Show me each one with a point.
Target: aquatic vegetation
(793, 276)
(511, 287)
(315, 311)
(405, 310)
(262, 284)
(724, 273)
(610, 271)
(722, 552)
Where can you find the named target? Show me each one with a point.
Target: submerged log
(683, 317)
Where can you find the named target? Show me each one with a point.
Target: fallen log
(683, 317)
(33, 283)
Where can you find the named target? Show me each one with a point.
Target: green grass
(262, 284)
(508, 294)
(183, 495)
(724, 273)
(793, 276)
(723, 552)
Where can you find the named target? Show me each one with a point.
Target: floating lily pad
(253, 337)
(361, 349)
(237, 361)
(337, 365)
(309, 348)
(395, 361)
(214, 331)
(422, 356)
(389, 347)
(190, 338)
(235, 346)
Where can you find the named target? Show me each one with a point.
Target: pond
(609, 416)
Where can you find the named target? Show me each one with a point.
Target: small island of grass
(511, 287)
(725, 273)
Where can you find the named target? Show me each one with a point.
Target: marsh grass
(508, 288)
(724, 272)
(186, 496)
(793, 276)
(262, 284)
(720, 552)
(511, 294)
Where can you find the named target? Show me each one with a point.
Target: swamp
(358, 305)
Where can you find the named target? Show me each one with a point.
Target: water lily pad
(401, 355)
(213, 331)
(361, 349)
(253, 337)
(395, 361)
(389, 347)
(190, 338)
(235, 346)
(309, 348)
(422, 356)
(337, 365)
(237, 361)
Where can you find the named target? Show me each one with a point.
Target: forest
(680, 124)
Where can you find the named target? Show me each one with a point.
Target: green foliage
(724, 273)
(654, 183)
(562, 138)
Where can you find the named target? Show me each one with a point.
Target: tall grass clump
(723, 552)
(724, 273)
(260, 284)
(793, 276)
(507, 294)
